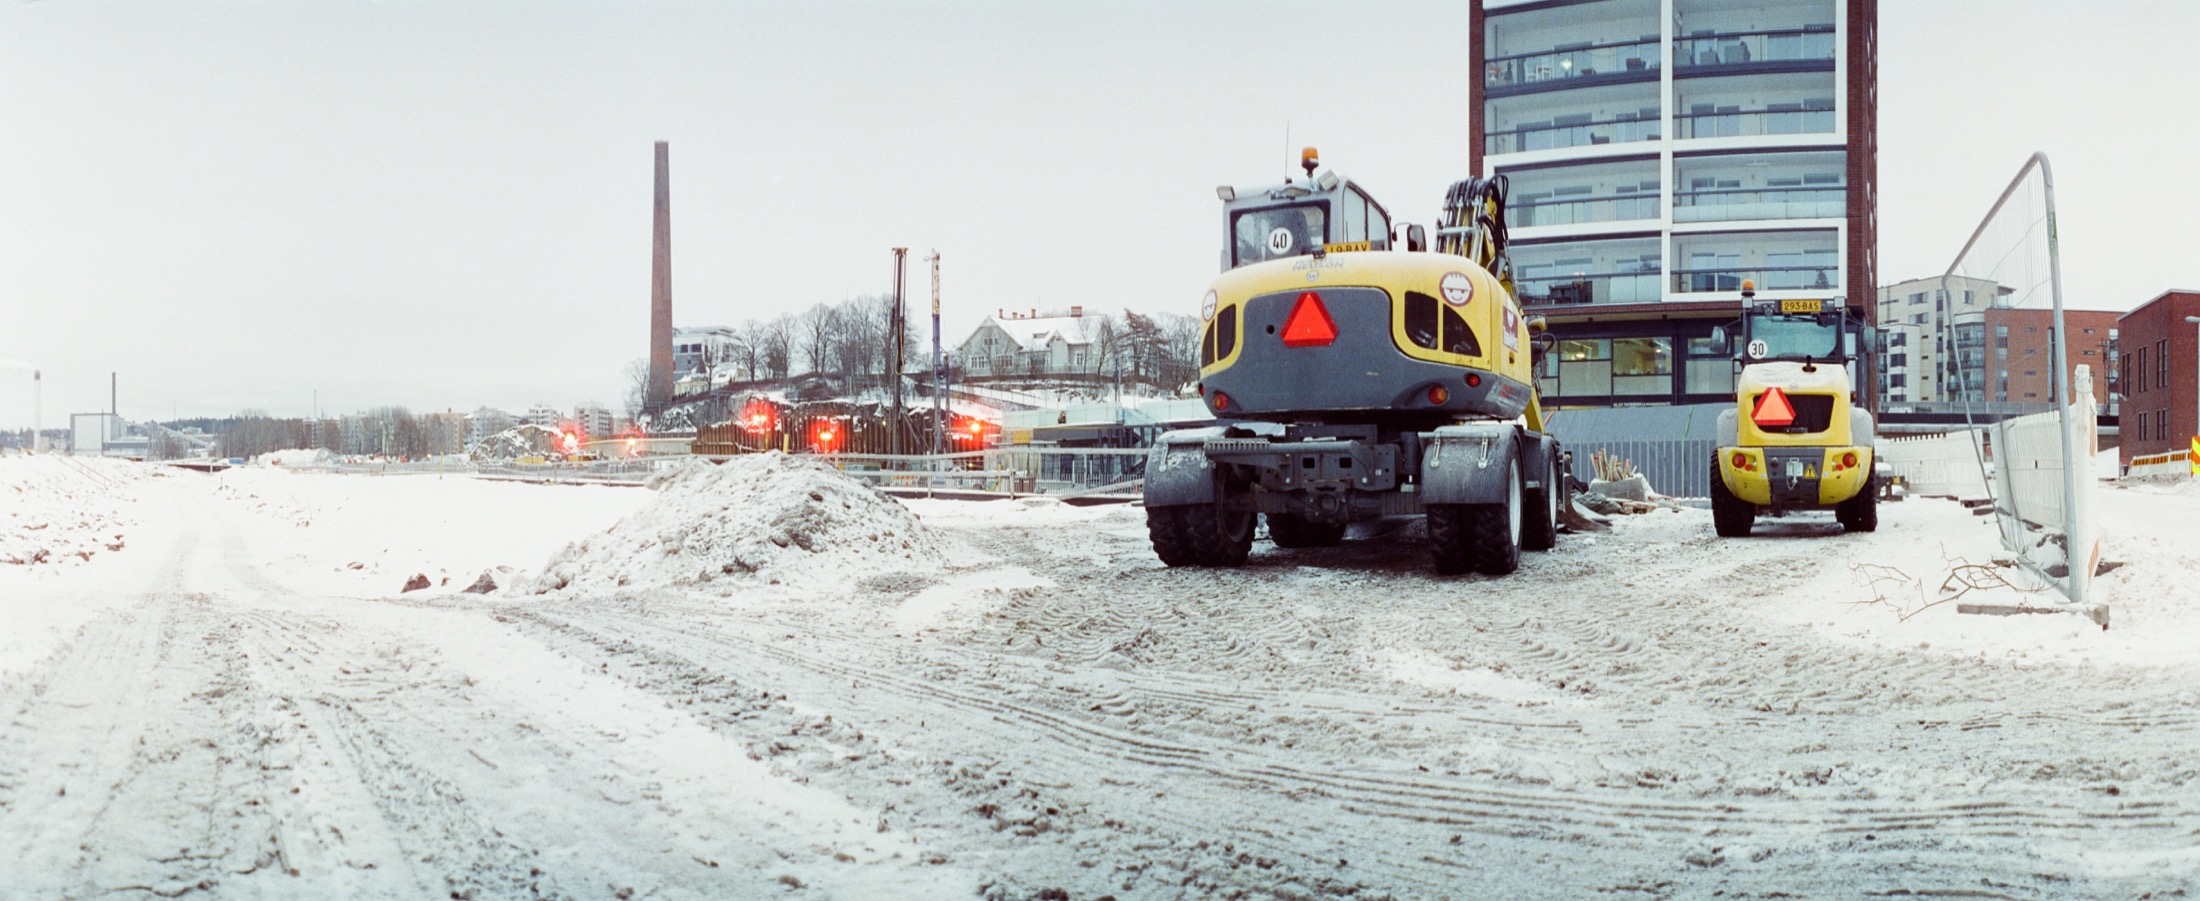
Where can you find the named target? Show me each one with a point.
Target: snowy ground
(1015, 700)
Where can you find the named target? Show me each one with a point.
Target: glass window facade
(1594, 192)
(1626, 270)
(1729, 187)
(1788, 260)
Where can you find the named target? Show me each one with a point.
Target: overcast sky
(445, 205)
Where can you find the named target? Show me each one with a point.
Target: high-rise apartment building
(1930, 344)
(1661, 152)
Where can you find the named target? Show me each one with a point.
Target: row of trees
(850, 342)
(389, 431)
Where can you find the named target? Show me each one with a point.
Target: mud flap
(1468, 464)
(1178, 471)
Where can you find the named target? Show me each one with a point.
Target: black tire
(1497, 528)
(1540, 523)
(1861, 513)
(1218, 536)
(1291, 530)
(1730, 516)
(1449, 539)
(1165, 527)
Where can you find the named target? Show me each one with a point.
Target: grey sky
(447, 205)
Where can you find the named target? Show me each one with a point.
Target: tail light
(1848, 460)
(1741, 461)
(1437, 395)
(1222, 401)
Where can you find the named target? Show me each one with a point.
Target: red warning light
(1309, 324)
(1773, 409)
(569, 441)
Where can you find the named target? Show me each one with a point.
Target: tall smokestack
(660, 290)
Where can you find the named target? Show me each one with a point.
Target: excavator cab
(1324, 214)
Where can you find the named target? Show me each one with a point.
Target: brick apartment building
(2161, 402)
(2020, 355)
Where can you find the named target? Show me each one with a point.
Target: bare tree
(750, 350)
(1179, 348)
(817, 332)
(637, 386)
(1107, 346)
(778, 343)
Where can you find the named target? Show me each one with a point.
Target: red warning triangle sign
(1773, 409)
(1309, 325)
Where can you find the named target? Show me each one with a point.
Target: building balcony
(1623, 128)
(1590, 287)
(1802, 118)
(1766, 278)
(1736, 204)
(1573, 65)
(1577, 212)
(1804, 49)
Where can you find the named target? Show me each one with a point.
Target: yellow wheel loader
(1795, 439)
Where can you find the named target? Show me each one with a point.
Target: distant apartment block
(2160, 376)
(1919, 342)
(1660, 153)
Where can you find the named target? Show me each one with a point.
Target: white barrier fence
(1951, 465)
(2160, 466)
(2041, 521)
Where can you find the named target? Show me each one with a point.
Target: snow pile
(528, 440)
(315, 456)
(62, 508)
(763, 517)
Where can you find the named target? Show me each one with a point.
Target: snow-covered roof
(1034, 334)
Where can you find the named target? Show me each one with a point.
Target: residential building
(485, 422)
(543, 415)
(706, 349)
(1661, 152)
(1007, 343)
(2161, 376)
(2019, 353)
(1929, 335)
(594, 421)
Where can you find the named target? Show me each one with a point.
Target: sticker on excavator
(1349, 246)
(1802, 306)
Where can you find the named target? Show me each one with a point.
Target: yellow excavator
(1355, 373)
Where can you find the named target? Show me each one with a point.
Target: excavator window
(1792, 336)
(1278, 232)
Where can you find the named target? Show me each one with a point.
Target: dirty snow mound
(768, 517)
(63, 509)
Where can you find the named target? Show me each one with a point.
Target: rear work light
(1309, 324)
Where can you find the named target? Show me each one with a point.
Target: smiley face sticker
(1457, 288)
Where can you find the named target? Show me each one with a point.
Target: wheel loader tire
(1449, 538)
(1289, 530)
(1218, 536)
(1730, 516)
(1541, 521)
(1166, 528)
(1860, 513)
(1497, 528)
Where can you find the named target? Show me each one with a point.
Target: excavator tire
(1166, 528)
(1731, 516)
(1291, 531)
(1449, 539)
(1497, 529)
(1539, 525)
(1219, 536)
